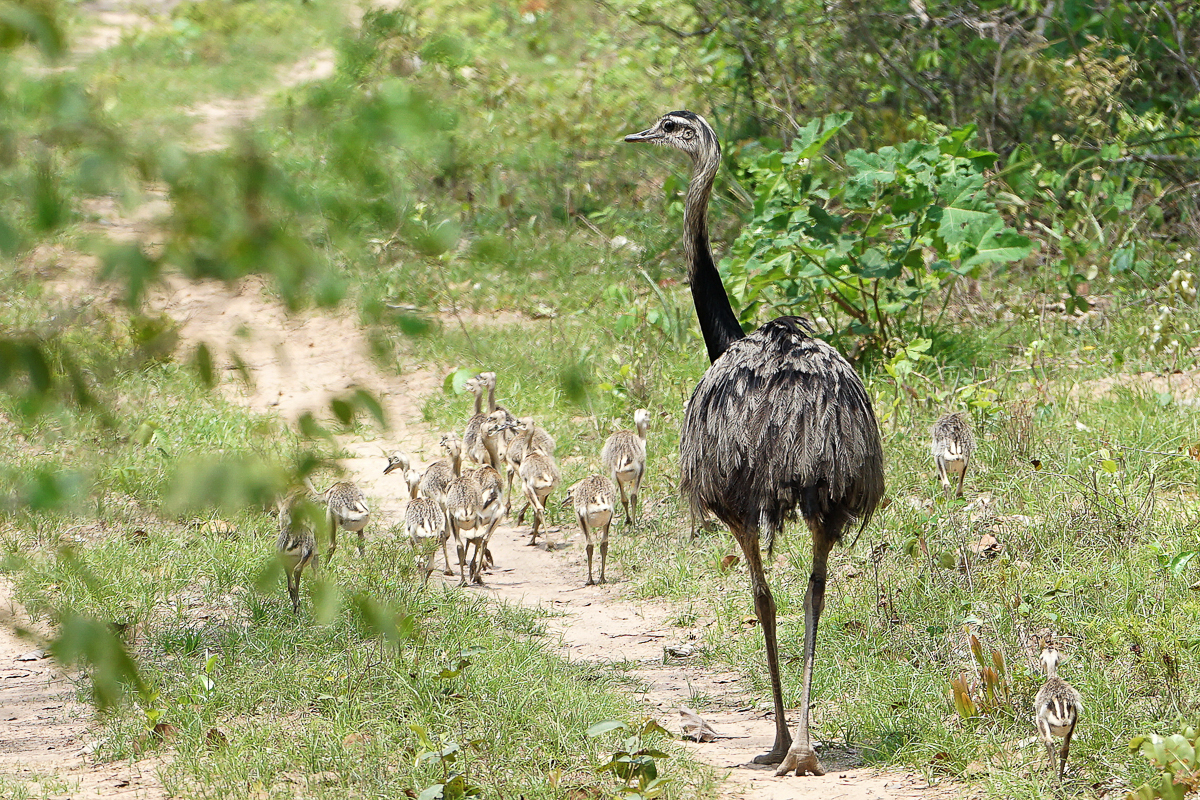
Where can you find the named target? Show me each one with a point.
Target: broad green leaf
(999, 246)
(601, 728)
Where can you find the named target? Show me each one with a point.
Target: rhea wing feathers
(781, 425)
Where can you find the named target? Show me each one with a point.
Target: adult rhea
(779, 426)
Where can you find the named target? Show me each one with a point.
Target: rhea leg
(624, 498)
(293, 581)
(801, 758)
(539, 516)
(587, 537)
(332, 523)
(446, 547)
(764, 608)
(962, 476)
(633, 494)
(1048, 740)
(462, 554)
(603, 553)
(1066, 749)
(942, 477)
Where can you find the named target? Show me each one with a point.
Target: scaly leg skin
(590, 582)
(362, 544)
(801, 758)
(962, 476)
(624, 499)
(633, 499)
(603, 553)
(764, 607)
(332, 536)
(1062, 756)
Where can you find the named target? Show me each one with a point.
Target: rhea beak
(391, 466)
(647, 135)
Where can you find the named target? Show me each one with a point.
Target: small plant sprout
(986, 693)
(634, 763)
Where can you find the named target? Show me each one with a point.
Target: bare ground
(44, 730)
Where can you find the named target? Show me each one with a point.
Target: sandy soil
(44, 730)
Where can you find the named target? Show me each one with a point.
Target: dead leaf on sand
(695, 727)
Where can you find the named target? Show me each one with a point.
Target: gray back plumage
(423, 519)
(951, 437)
(296, 542)
(348, 506)
(781, 425)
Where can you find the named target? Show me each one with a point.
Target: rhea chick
(399, 460)
(952, 447)
(539, 475)
(296, 545)
(437, 479)
(1057, 706)
(346, 508)
(594, 499)
(426, 526)
(624, 455)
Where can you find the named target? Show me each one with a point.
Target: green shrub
(873, 246)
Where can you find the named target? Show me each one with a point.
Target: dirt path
(44, 730)
(299, 364)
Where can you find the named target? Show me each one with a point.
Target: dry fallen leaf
(988, 546)
(354, 738)
(164, 731)
(694, 727)
(216, 738)
(729, 562)
(750, 621)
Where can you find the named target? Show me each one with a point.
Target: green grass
(207, 50)
(202, 607)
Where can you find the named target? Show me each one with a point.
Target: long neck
(491, 397)
(718, 323)
(478, 400)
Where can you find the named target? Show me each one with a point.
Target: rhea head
(684, 131)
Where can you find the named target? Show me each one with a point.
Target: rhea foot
(778, 752)
(802, 761)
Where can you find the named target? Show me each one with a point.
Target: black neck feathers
(718, 323)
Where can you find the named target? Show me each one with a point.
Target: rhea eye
(668, 126)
